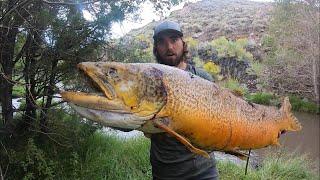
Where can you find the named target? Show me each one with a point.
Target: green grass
(104, 156)
(262, 98)
(109, 157)
(275, 166)
(303, 105)
(80, 151)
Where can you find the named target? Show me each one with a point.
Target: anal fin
(182, 139)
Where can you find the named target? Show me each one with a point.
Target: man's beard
(174, 62)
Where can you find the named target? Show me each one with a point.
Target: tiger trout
(155, 98)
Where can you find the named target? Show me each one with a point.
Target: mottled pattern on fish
(210, 117)
(213, 118)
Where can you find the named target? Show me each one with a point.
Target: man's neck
(182, 65)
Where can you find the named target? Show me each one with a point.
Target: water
(121, 134)
(304, 142)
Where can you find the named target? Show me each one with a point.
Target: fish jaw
(128, 95)
(107, 112)
(92, 72)
(93, 101)
(112, 119)
(138, 87)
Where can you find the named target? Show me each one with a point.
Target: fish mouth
(104, 86)
(101, 104)
(101, 95)
(121, 96)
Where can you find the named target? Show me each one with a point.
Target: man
(169, 158)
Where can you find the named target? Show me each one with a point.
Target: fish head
(127, 95)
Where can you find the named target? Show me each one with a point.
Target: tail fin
(294, 124)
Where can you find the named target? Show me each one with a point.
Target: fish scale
(199, 113)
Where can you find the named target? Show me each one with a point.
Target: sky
(147, 15)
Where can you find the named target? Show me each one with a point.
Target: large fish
(155, 98)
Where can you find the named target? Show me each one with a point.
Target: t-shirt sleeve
(202, 73)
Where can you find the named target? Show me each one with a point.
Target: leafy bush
(18, 91)
(226, 48)
(35, 154)
(198, 62)
(235, 87)
(192, 43)
(130, 50)
(31, 163)
(256, 68)
(211, 68)
(268, 43)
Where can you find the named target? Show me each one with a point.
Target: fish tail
(294, 124)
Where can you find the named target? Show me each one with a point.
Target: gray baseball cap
(167, 26)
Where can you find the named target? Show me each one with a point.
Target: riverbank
(102, 155)
(110, 157)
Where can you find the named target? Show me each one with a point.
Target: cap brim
(168, 31)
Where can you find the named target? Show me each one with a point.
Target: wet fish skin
(204, 114)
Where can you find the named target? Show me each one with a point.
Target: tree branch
(13, 9)
(1, 176)
(69, 3)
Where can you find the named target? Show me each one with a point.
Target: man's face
(169, 47)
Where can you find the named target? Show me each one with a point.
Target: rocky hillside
(208, 19)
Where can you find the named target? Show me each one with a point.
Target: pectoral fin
(182, 139)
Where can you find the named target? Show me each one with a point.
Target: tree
(294, 65)
(41, 41)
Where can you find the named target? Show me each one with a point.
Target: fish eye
(112, 72)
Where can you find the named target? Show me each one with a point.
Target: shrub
(198, 62)
(31, 163)
(192, 43)
(18, 91)
(235, 87)
(226, 48)
(212, 69)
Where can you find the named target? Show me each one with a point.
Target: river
(304, 142)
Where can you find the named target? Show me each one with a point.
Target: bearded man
(170, 159)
